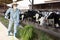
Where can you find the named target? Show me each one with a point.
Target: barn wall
(47, 6)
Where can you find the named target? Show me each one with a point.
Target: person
(14, 18)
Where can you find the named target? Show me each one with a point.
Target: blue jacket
(14, 15)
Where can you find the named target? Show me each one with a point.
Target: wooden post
(32, 4)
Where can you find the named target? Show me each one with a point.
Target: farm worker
(14, 17)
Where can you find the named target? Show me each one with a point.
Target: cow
(56, 18)
(30, 15)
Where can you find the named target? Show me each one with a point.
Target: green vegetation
(4, 21)
(28, 32)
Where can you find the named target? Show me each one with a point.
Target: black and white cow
(30, 15)
(56, 18)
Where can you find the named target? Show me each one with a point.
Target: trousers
(10, 26)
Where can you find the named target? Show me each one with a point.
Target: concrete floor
(3, 33)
